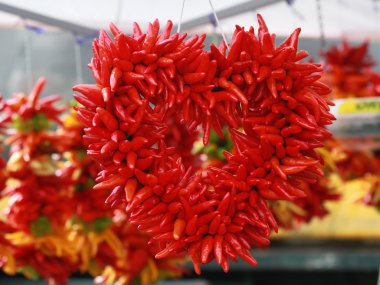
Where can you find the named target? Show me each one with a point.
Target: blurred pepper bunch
(348, 71)
(52, 223)
(36, 199)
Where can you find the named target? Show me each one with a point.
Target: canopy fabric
(350, 18)
(356, 21)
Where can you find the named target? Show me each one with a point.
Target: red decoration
(52, 223)
(349, 71)
(274, 107)
(31, 139)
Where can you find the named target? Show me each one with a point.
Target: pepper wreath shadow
(275, 109)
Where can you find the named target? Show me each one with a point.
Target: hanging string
(340, 18)
(218, 25)
(375, 7)
(78, 59)
(119, 8)
(214, 34)
(28, 58)
(180, 16)
(295, 12)
(38, 30)
(321, 26)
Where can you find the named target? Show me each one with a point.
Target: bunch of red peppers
(150, 199)
(148, 84)
(289, 214)
(36, 204)
(349, 72)
(51, 223)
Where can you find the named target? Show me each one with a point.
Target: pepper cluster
(36, 204)
(32, 182)
(289, 214)
(110, 249)
(349, 71)
(275, 110)
(51, 223)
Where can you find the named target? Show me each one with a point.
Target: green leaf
(90, 182)
(41, 226)
(29, 272)
(79, 187)
(214, 138)
(37, 123)
(136, 281)
(40, 122)
(81, 154)
(100, 224)
(219, 154)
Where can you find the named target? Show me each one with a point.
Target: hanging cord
(180, 16)
(218, 25)
(340, 18)
(78, 59)
(375, 7)
(295, 11)
(28, 58)
(215, 18)
(321, 26)
(119, 8)
(214, 35)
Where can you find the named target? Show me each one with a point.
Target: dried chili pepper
(220, 211)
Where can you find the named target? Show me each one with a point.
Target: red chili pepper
(90, 92)
(107, 119)
(175, 91)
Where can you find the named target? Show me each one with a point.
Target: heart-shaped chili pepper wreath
(155, 92)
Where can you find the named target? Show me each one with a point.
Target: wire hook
(218, 25)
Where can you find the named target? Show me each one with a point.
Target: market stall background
(54, 53)
(57, 55)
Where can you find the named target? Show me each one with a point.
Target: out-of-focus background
(52, 51)
(53, 39)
